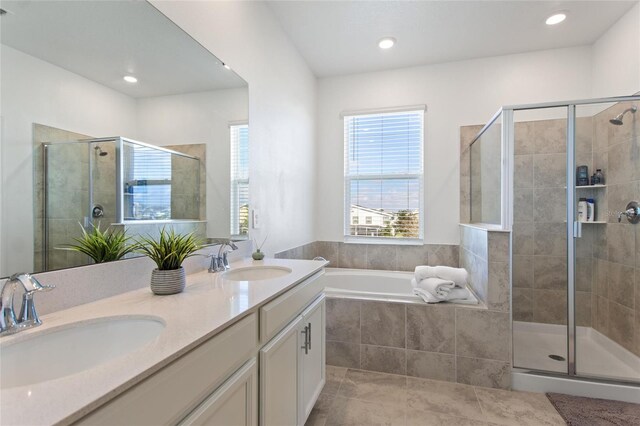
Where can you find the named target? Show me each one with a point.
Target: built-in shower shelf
(595, 222)
(590, 186)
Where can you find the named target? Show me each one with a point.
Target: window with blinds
(383, 175)
(239, 179)
(147, 183)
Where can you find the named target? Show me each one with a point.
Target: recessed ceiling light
(130, 79)
(386, 43)
(556, 18)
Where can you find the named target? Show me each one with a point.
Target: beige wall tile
(522, 238)
(498, 293)
(352, 256)
(550, 171)
(411, 256)
(383, 324)
(483, 372)
(483, 334)
(343, 320)
(550, 306)
(522, 304)
(328, 250)
(550, 136)
(431, 328)
(621, 325)
(382, 257)
(550, 273)
(383, 359)
(342, 354)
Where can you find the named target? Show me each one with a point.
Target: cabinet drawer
(167, 396)
(277, 313)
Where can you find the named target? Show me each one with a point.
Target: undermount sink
(256, 273)
(73, 348)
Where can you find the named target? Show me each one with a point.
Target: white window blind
(239, 179)
(383, 175)
(147, 173)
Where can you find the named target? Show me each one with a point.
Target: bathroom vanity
(230, 352)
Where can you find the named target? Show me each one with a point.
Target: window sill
(348, 239)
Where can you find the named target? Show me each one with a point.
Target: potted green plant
(168, 252)
(102, 246)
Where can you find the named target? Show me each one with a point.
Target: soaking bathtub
(367, 284)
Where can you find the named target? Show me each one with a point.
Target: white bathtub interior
(389, 286)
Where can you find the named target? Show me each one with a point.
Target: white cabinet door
(235, 403)
(313, 357)
(279, 377)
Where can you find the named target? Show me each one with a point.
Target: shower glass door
(576, 241)
(540, 268)
(607, 250)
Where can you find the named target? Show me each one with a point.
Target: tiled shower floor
(356, 397)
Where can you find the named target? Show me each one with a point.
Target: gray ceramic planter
(168, 282)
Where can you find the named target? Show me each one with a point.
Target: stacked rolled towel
(441, 283)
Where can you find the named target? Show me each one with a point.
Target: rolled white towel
(458, 275)
(436, 286)
(456, 295)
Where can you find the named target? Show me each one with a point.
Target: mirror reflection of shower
(617, 120)
(100, 152)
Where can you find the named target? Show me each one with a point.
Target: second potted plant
(168, 252)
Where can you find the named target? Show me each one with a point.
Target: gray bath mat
(581, 411)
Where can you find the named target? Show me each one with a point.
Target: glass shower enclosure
(564, 178)
(112, 182)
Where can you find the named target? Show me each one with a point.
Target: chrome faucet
(28, 316)
(221, 261)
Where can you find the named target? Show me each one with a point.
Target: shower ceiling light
(386, 43)
(556, 18)
(130, 79)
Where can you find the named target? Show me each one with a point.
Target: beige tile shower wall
(376, 256)
(616, 297)
(485, 255)
(441, 342)
(539, 228)
(63, 230)
(467, 134)
(190, 200)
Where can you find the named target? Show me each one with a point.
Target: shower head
(617, 120)
(100, 152)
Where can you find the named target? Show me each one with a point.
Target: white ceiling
(104, 40)
(341, 37)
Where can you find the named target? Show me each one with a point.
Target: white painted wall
(616, 58)
(456, 94)
(246, 36)
(34, 91)
(194, 118)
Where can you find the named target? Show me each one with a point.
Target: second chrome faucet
(221, 262)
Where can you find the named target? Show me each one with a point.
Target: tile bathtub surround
(357, 397)
(485, 255)
(442, 342)
(391, 257)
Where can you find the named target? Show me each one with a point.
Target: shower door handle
(577, 229)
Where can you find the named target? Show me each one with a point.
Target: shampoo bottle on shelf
(591, 210)
(582, 210)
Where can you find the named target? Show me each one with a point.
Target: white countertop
(208, 305)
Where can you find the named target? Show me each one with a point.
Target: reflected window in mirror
(239, 180)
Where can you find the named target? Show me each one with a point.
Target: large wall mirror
(112, 116)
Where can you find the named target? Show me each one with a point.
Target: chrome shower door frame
(573, 228)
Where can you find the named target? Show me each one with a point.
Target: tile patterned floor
(356, 397)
